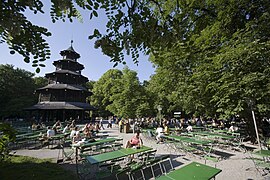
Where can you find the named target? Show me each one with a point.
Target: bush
(7, 135)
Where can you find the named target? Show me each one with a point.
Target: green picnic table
(96, 143)
(227, 132)
(192, 171)
(19, 136)
(198, 128)
(263, 153)
(59, 136)
(108, 156)
(190, 140)
(215, 135)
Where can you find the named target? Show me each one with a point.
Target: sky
(94, 61)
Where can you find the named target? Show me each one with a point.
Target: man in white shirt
(160, 134)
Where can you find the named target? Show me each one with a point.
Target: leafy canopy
(121, 93)
(16, 88)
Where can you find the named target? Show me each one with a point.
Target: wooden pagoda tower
(65, 95)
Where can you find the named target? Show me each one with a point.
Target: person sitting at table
(43, 125)
(189, 128)
(135, 141)
(233, 128)
(50, 132)
(77, 139)
(55, 130)
(86, 131)
(73, 132)
(73, 124)
(34, 126)
(57, 125)
(96, 128)
(221, 125)
(90, 126)
(214, 123)
(66, 128)
(160, 134)
(199, 122)
(38, 126)
(166, 129)
(44, 139)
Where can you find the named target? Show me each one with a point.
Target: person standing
(101, 123)
(109, 123)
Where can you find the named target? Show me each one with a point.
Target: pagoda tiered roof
(73, 87)
(76, 65)
(61, 106)
(70, 52)
(64, 71)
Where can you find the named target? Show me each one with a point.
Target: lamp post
(159, 108)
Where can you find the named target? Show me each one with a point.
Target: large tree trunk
(250, 128)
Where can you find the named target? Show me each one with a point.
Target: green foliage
(120, 93)
(220, 64)
(107, 85)
(40, 82)
(16, 88)
(7, 135)
(90, 85)
(126, 101)
(141, 25)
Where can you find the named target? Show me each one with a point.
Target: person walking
(101, 123)
(109, 123)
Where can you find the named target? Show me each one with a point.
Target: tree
(40, 82)
(108, 84)
(129, 100)
(121, 94)
(136, 25)
(90, 85)
(222, 60)
(16, 88)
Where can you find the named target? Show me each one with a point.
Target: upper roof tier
(70, 53)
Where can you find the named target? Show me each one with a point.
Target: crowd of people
(70, 129)
(162, 128)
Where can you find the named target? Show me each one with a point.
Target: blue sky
(95, 62)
